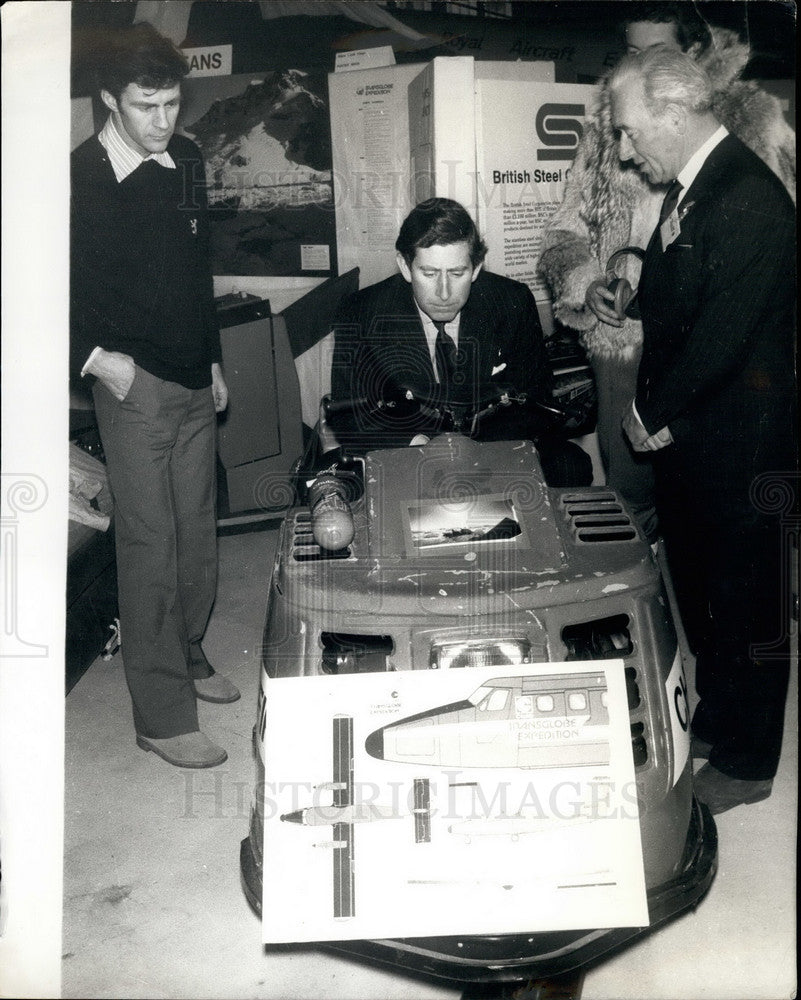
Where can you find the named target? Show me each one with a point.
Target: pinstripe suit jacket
(380, 343)
(717, 304)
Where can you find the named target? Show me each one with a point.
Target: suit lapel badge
(670, 230)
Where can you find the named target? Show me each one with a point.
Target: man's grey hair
(668, 76)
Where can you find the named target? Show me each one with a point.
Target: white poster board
(442, 122)
(370, 150)
(442, 131)
(399, 135)
(444, 802)
(527, 136)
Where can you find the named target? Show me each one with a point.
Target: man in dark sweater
(143, 325)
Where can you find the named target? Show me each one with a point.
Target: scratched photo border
(34, 444)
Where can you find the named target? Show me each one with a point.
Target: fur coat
(608, 205)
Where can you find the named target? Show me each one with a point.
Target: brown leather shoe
(216, 688)
(720, 793)
(188, 750)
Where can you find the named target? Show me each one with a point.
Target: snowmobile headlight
(479, 652)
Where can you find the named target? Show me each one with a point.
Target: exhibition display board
(446, 801)
(499, 137)
(527, 135)
(370, 151)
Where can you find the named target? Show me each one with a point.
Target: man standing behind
(447, 329)
(143, 324)
(609, 205)
(715, 403)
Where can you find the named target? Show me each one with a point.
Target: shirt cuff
(89, 360)
(637, 417)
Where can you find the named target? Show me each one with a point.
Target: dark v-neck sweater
(140, 273)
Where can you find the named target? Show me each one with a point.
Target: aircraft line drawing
(345, 812)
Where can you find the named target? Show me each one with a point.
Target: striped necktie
(670, 202)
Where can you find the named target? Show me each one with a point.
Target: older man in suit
(444, 328)
(715, 404)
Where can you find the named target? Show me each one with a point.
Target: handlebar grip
(334, 406)
(553, 411)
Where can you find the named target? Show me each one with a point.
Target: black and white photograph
(399, 501)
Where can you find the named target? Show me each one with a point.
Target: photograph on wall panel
(266, 141)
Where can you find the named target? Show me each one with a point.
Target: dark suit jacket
(718, 310)
(717, 369)
(379, 341)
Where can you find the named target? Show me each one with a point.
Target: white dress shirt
(125, 160)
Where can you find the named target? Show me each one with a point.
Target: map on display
(266, 141)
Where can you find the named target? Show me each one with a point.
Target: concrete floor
(152, 900)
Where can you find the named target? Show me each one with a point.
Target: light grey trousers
(160, 455)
